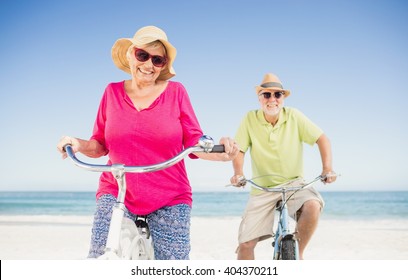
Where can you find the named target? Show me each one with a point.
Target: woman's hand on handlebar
(231, 151)
(67, 140)
(90, 148)
(231, 148)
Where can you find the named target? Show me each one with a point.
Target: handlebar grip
(65, 146)
(218, 149)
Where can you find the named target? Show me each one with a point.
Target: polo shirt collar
(283, 116)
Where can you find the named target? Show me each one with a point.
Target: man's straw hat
(272, 82)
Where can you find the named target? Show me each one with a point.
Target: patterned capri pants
(169, 228)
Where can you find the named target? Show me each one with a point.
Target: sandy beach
(67, 238)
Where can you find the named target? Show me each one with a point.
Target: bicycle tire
(288, 249)
(139, 251)
(142, 249)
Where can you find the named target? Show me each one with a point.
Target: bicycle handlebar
(285, 186)
(206, 144)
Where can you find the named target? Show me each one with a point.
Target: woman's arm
(90, 148)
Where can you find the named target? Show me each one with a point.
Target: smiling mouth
(145, 72)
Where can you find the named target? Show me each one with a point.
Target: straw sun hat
(143, 36)
(272, 82)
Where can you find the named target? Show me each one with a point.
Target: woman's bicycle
(128, 239)
(285, 244)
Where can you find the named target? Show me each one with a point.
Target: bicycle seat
(279, 205)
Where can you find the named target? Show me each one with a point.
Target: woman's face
(146, 71)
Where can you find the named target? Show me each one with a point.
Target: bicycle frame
(284, 237)
(112, 250)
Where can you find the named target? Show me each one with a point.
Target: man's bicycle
(128, 239)
(285, 244)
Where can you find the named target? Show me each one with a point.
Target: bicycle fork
(283, 231)
(112, 243)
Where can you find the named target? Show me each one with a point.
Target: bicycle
(285, 244)
(128, 239)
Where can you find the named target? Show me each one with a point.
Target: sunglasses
(143, 56)
(276, 94)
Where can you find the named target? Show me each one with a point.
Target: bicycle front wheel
(288, 249)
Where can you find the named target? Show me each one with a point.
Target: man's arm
(326, 155)
(238, 166)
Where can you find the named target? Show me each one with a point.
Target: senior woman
(141, 121)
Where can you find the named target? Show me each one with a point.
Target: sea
(339, 205)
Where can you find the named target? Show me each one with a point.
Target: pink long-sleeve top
(145, 137)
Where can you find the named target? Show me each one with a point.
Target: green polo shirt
(276, 149)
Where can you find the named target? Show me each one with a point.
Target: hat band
(271, 84)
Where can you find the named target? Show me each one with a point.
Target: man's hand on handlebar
(329, 177)
(238, 181)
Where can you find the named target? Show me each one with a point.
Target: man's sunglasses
(143, 56)
(276, 94)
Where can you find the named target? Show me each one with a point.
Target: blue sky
(345, 62)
